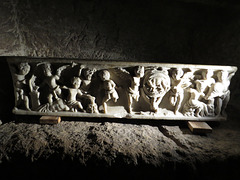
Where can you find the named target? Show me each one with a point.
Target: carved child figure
(179, 81)
(73, 93)
(109, 88)
(21, 85)
(133, 90)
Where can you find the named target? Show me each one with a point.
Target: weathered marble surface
(67, 87)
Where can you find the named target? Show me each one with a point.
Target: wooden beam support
(50, 119)
(199, 127)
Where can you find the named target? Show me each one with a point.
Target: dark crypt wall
(180, 31)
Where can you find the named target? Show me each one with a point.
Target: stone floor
(110, 148)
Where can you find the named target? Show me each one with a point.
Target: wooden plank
(50, 119)
(199, 127)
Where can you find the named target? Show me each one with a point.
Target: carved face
(156, 84)
(139, 71)
(177, 73)
(222, 75)
(24, 68)
(47, 70)
(76, 82)
(104, 75)
(88, 73)
(207, 73)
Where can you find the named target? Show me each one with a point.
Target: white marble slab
(109, 89)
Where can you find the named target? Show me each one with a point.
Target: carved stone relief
(120, 89)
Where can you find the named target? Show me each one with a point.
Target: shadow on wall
(6, 92)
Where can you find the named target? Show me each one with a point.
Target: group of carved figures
(204, 91)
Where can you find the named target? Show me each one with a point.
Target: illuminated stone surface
(120, 89)
(106, 149)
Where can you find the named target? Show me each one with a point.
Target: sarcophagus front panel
(85, 88)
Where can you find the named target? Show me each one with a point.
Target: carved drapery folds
(120, 89)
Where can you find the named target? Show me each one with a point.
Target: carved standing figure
(74, 92)
(21, 85)
(219, 92)
(109, 88)
(179, 82)
(51, 81)
(206, 82)
(85, 86)
(34, 93)
(133, 90)
(87, 79)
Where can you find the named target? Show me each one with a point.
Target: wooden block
(50, 119)
(199, 127)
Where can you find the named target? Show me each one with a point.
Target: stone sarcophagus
(85, 88)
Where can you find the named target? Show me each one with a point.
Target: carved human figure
(34, 93)
(109, 88)
(207, 79)
(206, 82)
(74, 92)
(179, 81)
(56, 106)
(21, 85)
(91, 104)
(219, 92)
(87, 78)
(133, 90)
(51, 81)
(89, 100)
(156, 84)
(194, 107)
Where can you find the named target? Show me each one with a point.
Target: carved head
(88, 73)
(207, 73)
(47, 69)
(199, 86)
(139, 71)
(76, 82)
(222, 75)
(104, 75)
(177, 73)
(24, 68)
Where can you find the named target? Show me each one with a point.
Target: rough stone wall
(163, 31)
(111, 150)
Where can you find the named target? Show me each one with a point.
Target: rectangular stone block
(110, 89)
(199, 127)
(50, 120)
